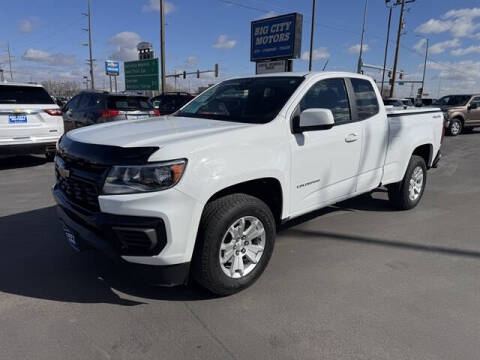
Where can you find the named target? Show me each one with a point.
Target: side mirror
(313, 119)
(473, 106)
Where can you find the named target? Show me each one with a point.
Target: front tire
(406, 194)
(235, 242)
(455, 127)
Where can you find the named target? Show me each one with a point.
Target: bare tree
(61, 88)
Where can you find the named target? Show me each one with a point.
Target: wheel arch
(426, 152)
(267, 189)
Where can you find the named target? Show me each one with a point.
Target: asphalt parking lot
(354, 281)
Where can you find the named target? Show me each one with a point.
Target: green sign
(141, 75)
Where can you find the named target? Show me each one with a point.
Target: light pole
(360, 61)
(162, 44)
(311, 36)
(387, 2)
(424, 69)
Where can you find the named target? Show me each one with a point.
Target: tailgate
(28, 122)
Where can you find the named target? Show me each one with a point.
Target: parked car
(461, 111)
(95, 107)
(425, 102)
(201, 193)
(170, 102)
(404, 103)
(30, 121)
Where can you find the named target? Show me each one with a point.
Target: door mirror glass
(313, 119)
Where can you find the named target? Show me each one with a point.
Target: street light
(390, 7)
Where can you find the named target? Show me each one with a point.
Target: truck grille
(80, 192)
(80, 182)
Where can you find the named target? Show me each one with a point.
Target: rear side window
(366, 98)
(329, 94)
(11, 94)
(129, 103)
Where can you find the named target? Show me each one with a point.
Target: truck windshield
(251, 100)
(454, 100)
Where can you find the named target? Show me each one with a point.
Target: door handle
(351, 137)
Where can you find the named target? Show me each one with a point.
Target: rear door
(23, 115)
(375, 133)
(68, 111)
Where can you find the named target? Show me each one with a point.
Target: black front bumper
(100, 231)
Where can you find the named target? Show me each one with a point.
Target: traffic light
(401, 75)
(216, 70)
(184, 74)
(420, 92)
(389, 73)
(198, 74)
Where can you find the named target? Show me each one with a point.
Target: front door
(325, 162)
(474, 113)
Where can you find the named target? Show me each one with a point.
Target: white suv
(30, 121)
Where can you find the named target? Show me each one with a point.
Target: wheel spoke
(227, 256)
(241, 226)
(254, 232)
(237, 266)
(251, 255)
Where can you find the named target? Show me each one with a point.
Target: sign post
(276, 38)
(141, 74)
(112, 68)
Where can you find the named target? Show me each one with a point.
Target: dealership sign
(268, 67)
(112, 68)
(278, 37)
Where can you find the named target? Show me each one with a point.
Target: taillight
(53, 112)
(108, 113)
(156, 112)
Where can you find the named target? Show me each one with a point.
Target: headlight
(144, 178)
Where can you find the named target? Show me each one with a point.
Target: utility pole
(424, 70)
(311, 36)
(386, 45)
(10, 61)
(162, 43)
(360, 61)
(399, 35)
(89, 30)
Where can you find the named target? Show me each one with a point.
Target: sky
(46, 37)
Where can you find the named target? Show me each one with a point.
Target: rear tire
(406, 194)
(455, 127)
(221, 234)
(50, 156)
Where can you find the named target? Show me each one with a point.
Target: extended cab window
(329, 94)
(251, 100)
(366, 99)
(475, 100)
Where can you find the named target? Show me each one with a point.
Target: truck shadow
(18, 162)
(37, 262)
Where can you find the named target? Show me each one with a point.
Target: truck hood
(156, 131)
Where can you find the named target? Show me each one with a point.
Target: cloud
(154, 5)
(28, 25)
(317, 54)
(420, 45)
(269, 14)
(191, 61)
(470, 50)
(460, 23)
(440, 47)
(468, 71)
(47, 58)
(126, 46)
(224, 43)
(355, 49)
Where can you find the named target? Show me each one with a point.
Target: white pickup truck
(199, 194)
